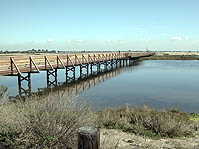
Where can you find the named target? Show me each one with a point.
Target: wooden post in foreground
(88, 138)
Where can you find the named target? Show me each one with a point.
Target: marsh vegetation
(52, 122)
(150, 122)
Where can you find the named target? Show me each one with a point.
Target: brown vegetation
(53, 121)
(50, 122)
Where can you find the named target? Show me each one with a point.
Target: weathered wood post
(88, 138)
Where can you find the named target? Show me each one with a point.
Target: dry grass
(3, 91)
(107, 143)
(52, 122)
(48, 123)
(146, 121)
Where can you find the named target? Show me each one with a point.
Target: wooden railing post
(94, 58)
(14, 64)
(57, 61)
(75, 59)
(67, 60)
(30, 64)
(88, 138)
(11, 66)
(45, 62)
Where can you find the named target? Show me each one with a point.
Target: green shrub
(194, 117)
(146, 121)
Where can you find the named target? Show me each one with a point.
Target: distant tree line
(29, 51)
(85, 51)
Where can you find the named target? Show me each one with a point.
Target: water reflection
(76, 87)
(159, 84)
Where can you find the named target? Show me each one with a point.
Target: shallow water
(158, 83)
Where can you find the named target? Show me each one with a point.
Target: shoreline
(172, 57)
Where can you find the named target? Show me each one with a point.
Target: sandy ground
(111, 139)
(177, 53)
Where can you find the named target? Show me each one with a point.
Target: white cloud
(143, 39)
(50, 40)
(116, 41)
(80, 40)
(68, 40)
(176, 38)
(109, 41)
(187, 38)
(29, 42)
(140, 30)
(75, 41)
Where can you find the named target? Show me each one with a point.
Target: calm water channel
(159, 84)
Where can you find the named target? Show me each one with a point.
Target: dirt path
(111, 138)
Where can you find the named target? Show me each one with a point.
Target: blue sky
(99, 24)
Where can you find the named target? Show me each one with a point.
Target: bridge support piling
(105, 66)
(80, 74)
(68, 77)
(22, 90)
(87, 70)
(84, 66)
(116, 63)
(111, 64)
(51, 74)
(120, 62)
(98, 67)
(91, 68)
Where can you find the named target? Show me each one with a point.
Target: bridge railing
(14, 65)
(11, 65)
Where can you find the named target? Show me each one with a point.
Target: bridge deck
(16, 65)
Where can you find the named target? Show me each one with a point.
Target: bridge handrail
(42, 62)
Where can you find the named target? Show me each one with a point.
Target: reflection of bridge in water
(82, 84)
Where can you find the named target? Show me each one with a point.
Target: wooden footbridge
(24, 66)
